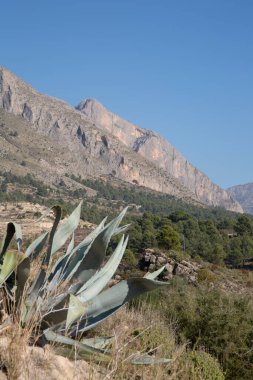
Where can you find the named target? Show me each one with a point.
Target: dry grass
(136, 332)
(141, 332)
(20, 359)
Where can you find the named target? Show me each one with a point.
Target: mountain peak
(7, 75)
(89, 101)
(91, 107)
(96, 142)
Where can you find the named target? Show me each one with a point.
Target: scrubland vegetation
(205, 329)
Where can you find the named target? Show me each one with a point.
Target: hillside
(160, 152)
(244, 195)
(70, 141)
(203, 315)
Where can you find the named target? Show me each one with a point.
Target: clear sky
(183, 68)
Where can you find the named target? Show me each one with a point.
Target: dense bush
(221, 323)
(207, 239)
(204, 366)
(206, 276)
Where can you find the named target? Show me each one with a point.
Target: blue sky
(182, 68)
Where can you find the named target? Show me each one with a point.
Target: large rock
(152, 259)
(40, 364)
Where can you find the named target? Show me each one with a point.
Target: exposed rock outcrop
(244, 195)
(152, 259)
(39, 364)
(91, 141)
(160, 152)
(77, 145)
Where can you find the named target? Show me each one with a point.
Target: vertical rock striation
(152, 147)
(95, 142)
(244, 195)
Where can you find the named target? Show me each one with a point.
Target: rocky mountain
(244, 195)
(54, 139)
(153, 148)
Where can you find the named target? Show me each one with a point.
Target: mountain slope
(244, 195)
(75, 145)
(77, 142)
(160, 152)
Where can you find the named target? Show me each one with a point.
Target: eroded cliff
(161, 153)
(91, 141)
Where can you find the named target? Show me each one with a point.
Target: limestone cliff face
(161, 153)
(75, 144)
(244, 195)
(91, 141)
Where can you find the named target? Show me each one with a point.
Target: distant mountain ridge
(244, 195)
(92, 141)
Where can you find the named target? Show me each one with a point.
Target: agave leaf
(11, 229)
(75, 310)
(155, 274)
(102, 277)
(100, 342)
(18, 233)
(59, 265)
(10, 259)
(73, 260)
(10, 263)
(36, 246)
(93, 234)
(50, 285)
(37, 285)
(121, 229)
(56, 314)
(110, 300)
(74, 349)
(71, 266)
(44, 214)
(40, 287)
(53, 232)
(23, 271)
(66, 229)
(95, 255)
(71, 244)
(101, 306)
(149, 360)
(112, 262)
(113, 228)
(56, 239)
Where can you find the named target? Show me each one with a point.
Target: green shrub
(129, 257)
(203, 366)
(206, 276)
(221, 322)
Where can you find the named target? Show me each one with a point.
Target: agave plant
(68, 294)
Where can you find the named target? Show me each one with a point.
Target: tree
(218, 254)
(169, 238)
(235, 255)
(244, 225)
(148, 231)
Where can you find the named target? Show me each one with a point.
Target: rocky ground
(238, 281)
(42, 364)
(28, 215)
